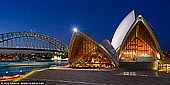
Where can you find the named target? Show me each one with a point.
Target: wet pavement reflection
(163, 72)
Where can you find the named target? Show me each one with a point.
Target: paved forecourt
(69, 76)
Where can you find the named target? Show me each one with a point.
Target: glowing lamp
(75, 29)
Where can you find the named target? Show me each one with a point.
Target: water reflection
(6, 70)
(10, 71)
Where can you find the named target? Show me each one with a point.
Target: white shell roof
(106, 45)
(122, 30)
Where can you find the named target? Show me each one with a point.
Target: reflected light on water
(20, 70)
(6, 72)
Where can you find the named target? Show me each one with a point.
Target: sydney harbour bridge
(31, 41)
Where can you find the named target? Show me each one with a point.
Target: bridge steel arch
(48, 39)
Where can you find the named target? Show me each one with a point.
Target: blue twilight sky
(97, 18)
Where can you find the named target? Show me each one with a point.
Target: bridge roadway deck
(70, 76)
(34, 49)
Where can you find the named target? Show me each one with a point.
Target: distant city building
(167, 54)
(135, 41)
(85, 52)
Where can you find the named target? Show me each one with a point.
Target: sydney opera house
(133, 41)
(85, 52)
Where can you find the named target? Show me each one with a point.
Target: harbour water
(20, 68)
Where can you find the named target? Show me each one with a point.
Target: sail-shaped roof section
(85, 52)
(135, 38)
(106, 45)
(122, 30)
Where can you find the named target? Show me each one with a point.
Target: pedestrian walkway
(95, 77)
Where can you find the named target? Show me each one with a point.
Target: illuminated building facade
(135, 41)
(85, 52)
